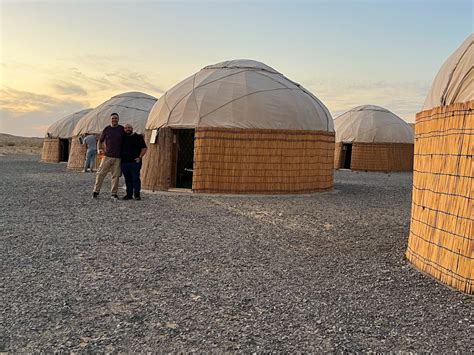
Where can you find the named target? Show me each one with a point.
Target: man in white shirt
(91, 143)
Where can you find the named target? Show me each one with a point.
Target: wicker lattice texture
(377, 157)
(441, 231)
(338, 163)
(262, 161)
(156, 169)
(51, 152)
(77, 155)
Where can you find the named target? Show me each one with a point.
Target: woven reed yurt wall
(51, 152)
(337, 155)
(262, 161)
(442, 222)
(77, 155)
(156, 168)
(382, 156)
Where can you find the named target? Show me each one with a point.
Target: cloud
(131, 81)
(65, 88)
(110, 73)
(68, 87)
(16, 101)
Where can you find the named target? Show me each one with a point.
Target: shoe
(137, 198)
(115, 196)
(84, 170)
(127, 197)
(95, 194)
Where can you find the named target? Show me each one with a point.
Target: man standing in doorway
(133, 150)
(112, 136)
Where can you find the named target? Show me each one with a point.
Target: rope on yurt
(451, 74)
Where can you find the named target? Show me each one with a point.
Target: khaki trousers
(107, 165)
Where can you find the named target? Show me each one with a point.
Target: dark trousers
(131, 173)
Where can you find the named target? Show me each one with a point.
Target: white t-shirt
(91, 142)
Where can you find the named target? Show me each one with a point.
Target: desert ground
(187, 272)
(15, 145)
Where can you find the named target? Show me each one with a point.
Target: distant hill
(10, 144)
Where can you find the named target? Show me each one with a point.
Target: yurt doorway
(346, 155)
(63, 149)
(184, 158)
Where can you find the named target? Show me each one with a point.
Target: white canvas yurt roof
(132, 107)
(372, 124)
(240, 94)
(455, 80)
(64, 127)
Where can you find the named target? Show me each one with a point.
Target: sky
(58, 57)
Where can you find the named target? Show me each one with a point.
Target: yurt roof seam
(198, 87)
(373, 140)
(219, 78)
(459, 87)
(319, 102)
(364, 109)
(118, 105)
(69, 121)
(241, 97)
(273, 79)
(147, 97)
(178, 106)
(195, 99)
(130, 107)
(168, 106)
(445, 91)
(246, 68)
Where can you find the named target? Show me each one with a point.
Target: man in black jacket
(133, 150)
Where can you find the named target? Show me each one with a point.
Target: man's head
(128, 128)
(114, 118)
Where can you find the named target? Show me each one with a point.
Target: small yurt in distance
(57, 140)
(441, 240)
(239, 127)
(372, 138)
(132, 107)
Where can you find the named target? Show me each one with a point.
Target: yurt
(372, 138)
(57, 140)
(239, 127)
(132, 107)
(442, 218)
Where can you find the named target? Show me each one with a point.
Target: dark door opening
(63, 149)
(346, 155)
(185, 157)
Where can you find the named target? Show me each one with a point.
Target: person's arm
(100, 142)
(142, 151)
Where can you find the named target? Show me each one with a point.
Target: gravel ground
(310, 273)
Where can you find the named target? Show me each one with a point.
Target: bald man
(133, 150)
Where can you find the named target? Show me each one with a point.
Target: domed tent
(239, 127)
(58, 138)
(132, 107)
(442, 224)
(372, 138)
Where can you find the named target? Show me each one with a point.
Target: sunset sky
(58, 57)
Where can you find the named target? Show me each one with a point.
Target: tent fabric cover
(372, 124)
(132, 107)
(64, 127)
(243, 94)
(455, 80)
